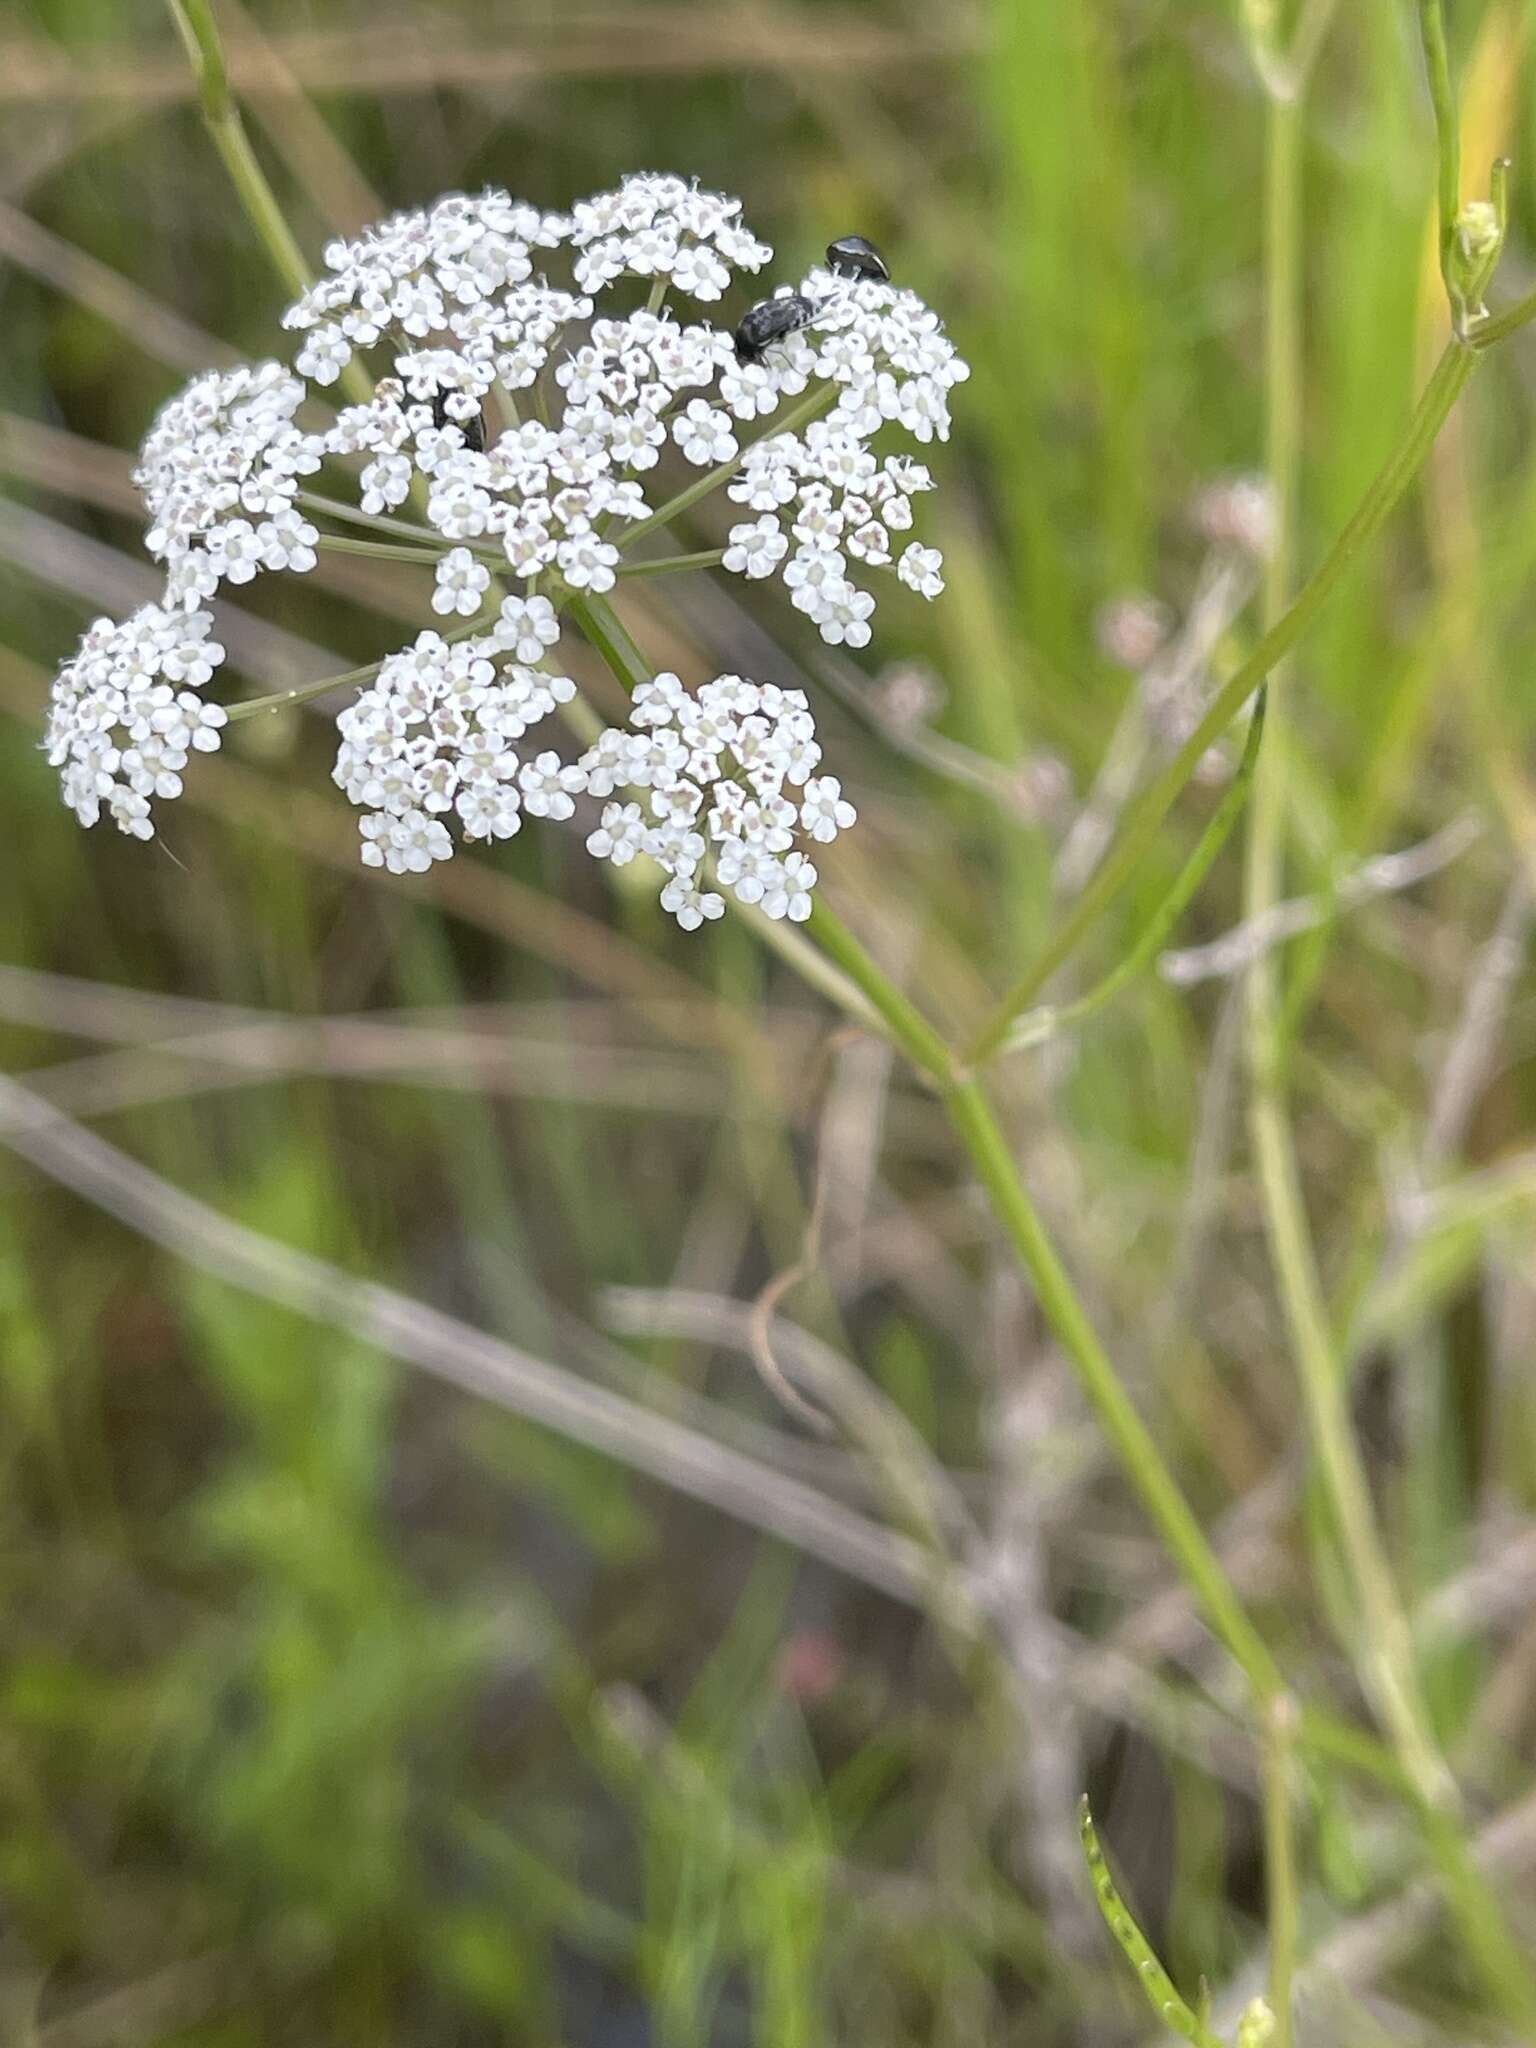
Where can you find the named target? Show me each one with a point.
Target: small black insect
(473, 429)
(853, 257)
(771, 320)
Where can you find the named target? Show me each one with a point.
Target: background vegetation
(499, 1660)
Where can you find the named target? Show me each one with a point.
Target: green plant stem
(1036, 1026)
(1496, 326)
(199, 32)
(379, 550)
(613, 640)
(975, 1123)
(811, 407)
(904, 1022)
(373, 522)
(305, 693)
(1140, 826)
(1280, 1885)
(1384, 1656)
(972, 1116)
(1442, 94)
(669, 565)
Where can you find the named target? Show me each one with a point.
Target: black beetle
(853, 257)
(771, 320)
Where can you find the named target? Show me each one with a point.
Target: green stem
(1442, 95)
(1140, 827)
(1186, 1542)
(612, 639)
(811, 407)
(199, 33)
(904, 1022)
(1036, 1026)
(380, 550)
(305, 693)
(1496, 326)
(668, 565)
(1280, 1862)
(973, 1119)
(374, 522)
(1384, 1656)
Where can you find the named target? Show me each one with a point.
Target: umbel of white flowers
(523, 418)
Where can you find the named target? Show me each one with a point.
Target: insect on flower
(576, 359)
(855, 258)
(771, 320)
(473, 429)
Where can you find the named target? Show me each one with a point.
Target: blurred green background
(340, 1703)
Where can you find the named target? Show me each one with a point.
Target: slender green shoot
(1280, 1883)
(1143, 820)
(1037, 1026)
(1157, 1986)
(670, 565)
(1442, 96)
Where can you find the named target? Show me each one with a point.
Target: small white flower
(621, 835)
(587, 563)
(825, 811)
(690, 904)
(789, 895)
(489, 810)
(919, 569)
(756, 548)
(325, 354)
(237, 551)
(547, 783)
(703, 433)
(461, 583)
(527, 627)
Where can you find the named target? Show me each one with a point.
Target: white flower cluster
(710, 772)
(435, 736)
(454, 291)
(843, 505)
(840, 502)
(532, 376)
(219, 474)
(125, 713)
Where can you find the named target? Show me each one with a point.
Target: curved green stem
(199, 33)
(1140, 1460)
(1036, 1026)
(1144, 818)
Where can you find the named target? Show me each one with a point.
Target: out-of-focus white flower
(1237, 512)
(1132, 629)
